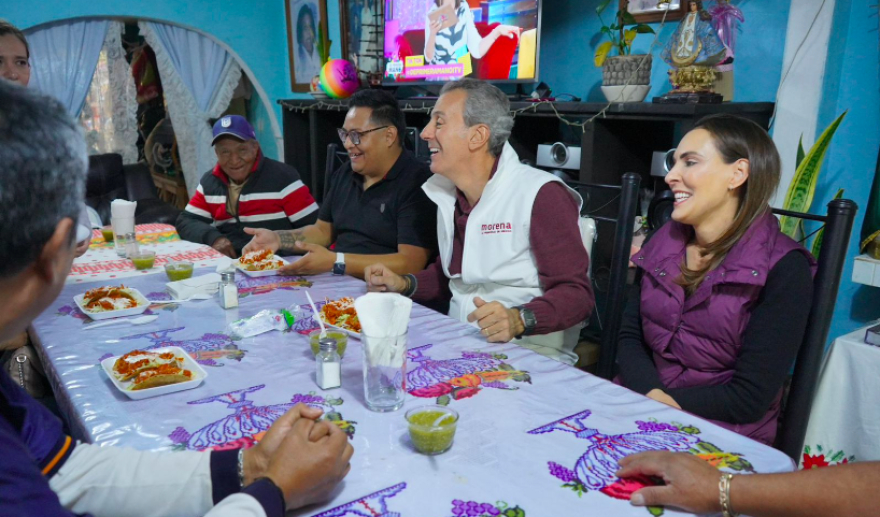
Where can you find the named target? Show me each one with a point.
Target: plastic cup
(340, 337)
(428, 438)
(179, 270)
(107, 232)
(143, 259)
(384, 372)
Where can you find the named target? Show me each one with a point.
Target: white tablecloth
(536, 437)
(845, 420)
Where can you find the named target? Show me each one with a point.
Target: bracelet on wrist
(724, 495)
(241, 468)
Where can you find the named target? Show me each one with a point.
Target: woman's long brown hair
(736, 138)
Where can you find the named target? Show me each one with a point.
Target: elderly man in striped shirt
(244, 189)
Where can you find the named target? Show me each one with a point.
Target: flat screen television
(431, 41)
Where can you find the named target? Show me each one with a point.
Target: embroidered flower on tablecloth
(437, 390)
(823, 458)
(245, 442)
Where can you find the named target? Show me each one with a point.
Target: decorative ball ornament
(339, 78)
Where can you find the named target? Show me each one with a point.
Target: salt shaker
(328, 365)
(131, 244)
(228, 291)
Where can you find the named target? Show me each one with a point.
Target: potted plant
(626, 77)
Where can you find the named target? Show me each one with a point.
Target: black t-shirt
(393, 211)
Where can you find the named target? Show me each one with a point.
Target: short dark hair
(8, 28)
(303, 12)
(385, 109)
(43, 166)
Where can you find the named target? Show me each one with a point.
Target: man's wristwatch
(528, 319)
(339, 266)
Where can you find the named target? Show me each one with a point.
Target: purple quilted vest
(696, 340)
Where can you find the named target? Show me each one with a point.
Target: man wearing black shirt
(374, 210)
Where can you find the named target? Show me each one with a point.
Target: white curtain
(63, 59)
(109, 116)
(198, 78)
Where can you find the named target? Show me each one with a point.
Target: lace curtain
(198, 78)
(109, 116)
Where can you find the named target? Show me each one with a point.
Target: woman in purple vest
(722, 297)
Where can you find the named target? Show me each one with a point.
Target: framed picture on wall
(648, 11)
(304, 18)
(360, 25)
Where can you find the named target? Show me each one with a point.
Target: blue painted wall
(255, 31)
(570, 35)
(852, 83)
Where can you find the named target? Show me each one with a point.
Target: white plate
(266, 272)
(188, 364)
(143, 305)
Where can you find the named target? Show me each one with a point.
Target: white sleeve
(473, 35)
(125, 482)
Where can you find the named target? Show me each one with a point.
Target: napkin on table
(204, 284)
(383, 317)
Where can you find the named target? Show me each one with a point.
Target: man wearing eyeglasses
(374, 210)
(244, 189)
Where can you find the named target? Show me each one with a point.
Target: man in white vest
(511, 257)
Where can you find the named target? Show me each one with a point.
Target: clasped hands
(498, 323)
(304, 457)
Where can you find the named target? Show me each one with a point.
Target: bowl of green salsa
(179, 270)
(143, 259)
(340, 337)
(432, 428)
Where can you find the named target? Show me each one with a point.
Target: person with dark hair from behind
(374, 209)
(693, 485)
(721, 299)
(44, 472)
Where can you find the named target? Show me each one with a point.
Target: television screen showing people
(444, 40)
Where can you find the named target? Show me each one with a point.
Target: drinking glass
(384, 371)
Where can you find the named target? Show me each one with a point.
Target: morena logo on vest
(486, 229)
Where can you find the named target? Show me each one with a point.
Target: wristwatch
(528, 319)
(339, 266)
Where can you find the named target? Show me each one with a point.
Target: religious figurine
(692, 52)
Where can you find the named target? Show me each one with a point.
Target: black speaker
(414, 143)
(660, 209)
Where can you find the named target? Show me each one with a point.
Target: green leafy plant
(800, 193)
(323, 46)
(620, 37)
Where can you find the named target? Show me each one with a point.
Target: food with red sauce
(263, 260)
(147, 369)
(108, 298)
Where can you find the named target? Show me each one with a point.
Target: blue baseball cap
(233, 125)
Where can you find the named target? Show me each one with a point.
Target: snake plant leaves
(871, 223)
(800, 152)
(803, 185)
(817, 242)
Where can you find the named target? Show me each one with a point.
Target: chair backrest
(335, 158)
(620, 252)
(832, 254)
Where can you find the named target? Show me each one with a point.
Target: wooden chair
(796, 407)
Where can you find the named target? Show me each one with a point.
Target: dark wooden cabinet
(620, 140)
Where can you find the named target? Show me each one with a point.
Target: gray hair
(485, 104)
(43, 166)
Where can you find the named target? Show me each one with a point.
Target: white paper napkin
(204, 284)
(122, 208)
(383, 318)
(225, 265)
